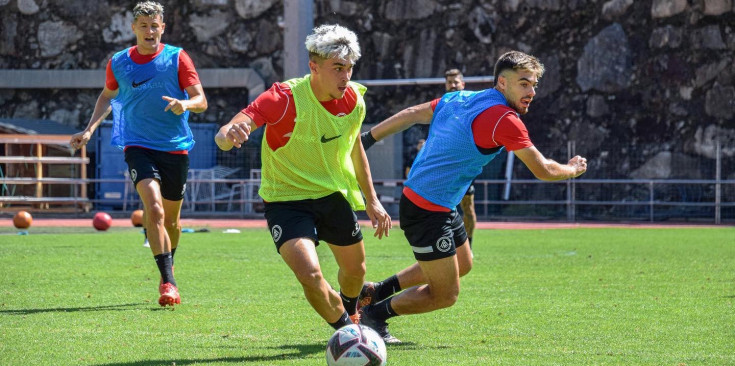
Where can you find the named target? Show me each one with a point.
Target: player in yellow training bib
(313, 168)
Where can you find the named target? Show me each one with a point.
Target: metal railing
(655, 196)
(614, 199)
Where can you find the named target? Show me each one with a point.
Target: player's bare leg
(300, 255)
(160, 243)
(149, 191)
(414, 276)
(172, 220)
(440, 291)
(351, 275)
(469, 216)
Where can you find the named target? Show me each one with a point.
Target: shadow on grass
(409, 346)
(301, 351)
(66, 310)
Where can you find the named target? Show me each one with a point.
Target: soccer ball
(22, 220)
(102, 221)
(136, 218)
(354, 345)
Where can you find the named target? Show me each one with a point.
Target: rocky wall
(638, 85)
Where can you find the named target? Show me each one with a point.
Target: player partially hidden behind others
(467, 130)
(313, 167)
(454, 81)
(152, 87)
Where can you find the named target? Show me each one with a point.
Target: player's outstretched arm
(550, 170)
(398, 122)
(235, 133)
(101, 110)
(380, 219)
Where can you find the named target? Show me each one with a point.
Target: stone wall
(638, 85)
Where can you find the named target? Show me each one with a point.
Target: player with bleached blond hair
(313, 169)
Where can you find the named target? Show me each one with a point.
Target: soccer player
(152, 87)
(313, 167)
(467, 130)
(408, 161)
(454, 81)
(146, 243)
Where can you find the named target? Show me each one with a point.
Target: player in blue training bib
(467, 130)
(150, 89)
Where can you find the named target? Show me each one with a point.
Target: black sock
(382, 310)
(387, 288)
(173, 253)
(145, 232)
(350, 303)
(470, 239)
(343, 321)
(164, 262)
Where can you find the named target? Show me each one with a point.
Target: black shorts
(328, 218)
(169, 169)
(432, 235)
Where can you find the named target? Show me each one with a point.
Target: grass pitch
(534, 297)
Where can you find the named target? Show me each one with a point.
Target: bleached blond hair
(332, 40)
(147, 8)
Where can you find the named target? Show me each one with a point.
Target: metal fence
(699, 188)
(595, 200)
(506, 190)
(578, 200)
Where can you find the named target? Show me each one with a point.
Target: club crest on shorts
(357, 229)
(133, 174)
(444, 244)
(276, 232)
(183, 189)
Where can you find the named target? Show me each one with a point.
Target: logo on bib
(135, 85)
(326, 139)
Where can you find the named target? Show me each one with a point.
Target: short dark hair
(516, 60)
(452, 72)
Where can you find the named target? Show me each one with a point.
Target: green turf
(534, 297)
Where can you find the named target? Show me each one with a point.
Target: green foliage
(534, 297)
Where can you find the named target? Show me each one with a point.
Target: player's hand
(238, 134)
(579, 164)
(367, 139)
(79, 139)
(379, 217)
(174, 105)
